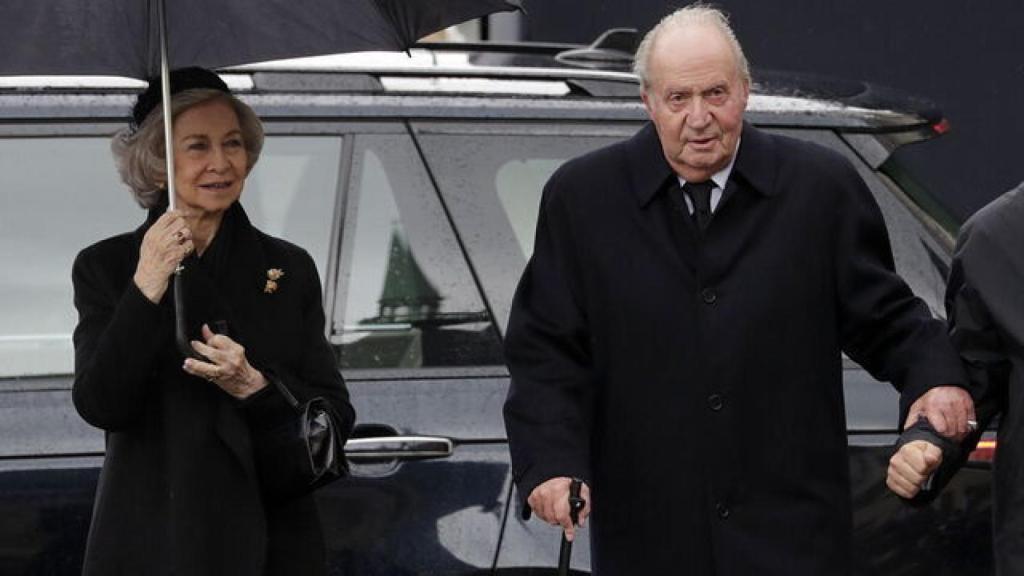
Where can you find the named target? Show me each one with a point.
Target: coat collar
(755, 163)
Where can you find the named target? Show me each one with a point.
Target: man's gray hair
(139, 154)
(694, 14)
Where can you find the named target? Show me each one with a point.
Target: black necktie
(700, 195)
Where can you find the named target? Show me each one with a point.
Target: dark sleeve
(884, 327)
(977, 337)
(972, 328)
(548, 409)
(953, 457)
(315, 374)
(117, 339)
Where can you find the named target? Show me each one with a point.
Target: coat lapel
(662, 220)
(238, 295)
(741, 212)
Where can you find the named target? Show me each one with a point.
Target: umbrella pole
(180, 323)
(165, 96)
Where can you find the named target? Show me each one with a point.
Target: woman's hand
(167, 242)
(227, 366)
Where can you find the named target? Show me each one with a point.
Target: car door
(418, 348)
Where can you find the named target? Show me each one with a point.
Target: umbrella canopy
(121, 37)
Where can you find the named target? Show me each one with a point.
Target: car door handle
(383, 448)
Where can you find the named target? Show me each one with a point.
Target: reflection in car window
(493, 182)
(475, 169)
(407, 298)
(48, 215)
(291, 192)
(519, 184)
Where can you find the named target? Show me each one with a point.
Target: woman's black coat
(179, 492)
(696, 383)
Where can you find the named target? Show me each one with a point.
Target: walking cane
(575, 505)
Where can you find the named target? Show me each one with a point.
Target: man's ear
(745, 84)
(648, 104)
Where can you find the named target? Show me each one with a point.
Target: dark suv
(414, 182)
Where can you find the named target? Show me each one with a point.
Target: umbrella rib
(403, 42)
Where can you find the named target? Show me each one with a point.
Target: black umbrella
(122, 37)
(139, 38)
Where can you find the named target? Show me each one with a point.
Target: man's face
(696, 98)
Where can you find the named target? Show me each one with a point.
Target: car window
(493, 182)
(48, 213)
(518, 184)
(407, 298)
(292, 190)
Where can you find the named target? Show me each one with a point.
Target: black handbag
(301, 453)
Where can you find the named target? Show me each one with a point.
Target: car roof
(519, 80)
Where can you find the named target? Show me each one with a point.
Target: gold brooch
(273, 275)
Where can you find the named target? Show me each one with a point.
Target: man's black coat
(696, 384)
(181, 487)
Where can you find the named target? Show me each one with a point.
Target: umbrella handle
(181, 338)
(576, 504)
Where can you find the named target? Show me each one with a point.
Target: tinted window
(503, 171)
(493, 178)
(406, 295)
(58, 195)
(291, 192)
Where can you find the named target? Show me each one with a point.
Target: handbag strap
(288, 396)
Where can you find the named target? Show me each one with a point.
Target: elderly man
(986, 323)
(675, 341)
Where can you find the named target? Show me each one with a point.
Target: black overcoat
(696, 384)
(986, 316)
(179, 492)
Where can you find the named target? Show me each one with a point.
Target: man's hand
(550, 502)
(949, 409)
(911, 466)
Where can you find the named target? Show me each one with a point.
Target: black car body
(414, 183)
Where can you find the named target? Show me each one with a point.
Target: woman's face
(210, 160)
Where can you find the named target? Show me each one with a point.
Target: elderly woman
(196, 477)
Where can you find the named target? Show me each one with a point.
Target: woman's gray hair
(694, 14)
(139, 154)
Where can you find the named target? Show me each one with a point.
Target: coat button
(708, 296)
(722, 510)
(716, 402)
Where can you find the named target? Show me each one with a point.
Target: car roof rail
(613, 50)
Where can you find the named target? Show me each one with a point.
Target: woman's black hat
(181, 79)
